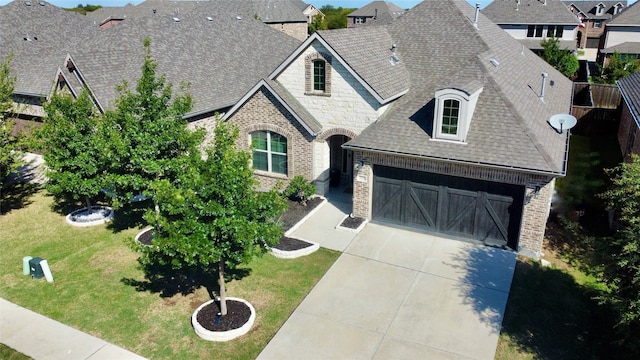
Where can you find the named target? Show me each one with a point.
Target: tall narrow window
(531, 30)
(551, 31)
(319, 70)
(559, 31)
(269, 152)
(450, 117)
(539, 29)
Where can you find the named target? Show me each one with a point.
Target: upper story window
(319, 71)
(535, 30)
(597, 23)
(359, 20)
(318, 74)
(600, 9)
(617, 8)
(554, 31)
(269, 152)
(454, 109)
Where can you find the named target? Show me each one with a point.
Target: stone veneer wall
(536, 206)
(263, 112)
(297, 30)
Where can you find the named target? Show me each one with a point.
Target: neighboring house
(621, 35)
(435, 121)
(629, 130)
(220, 56)
(38, 35)
(375, 12)
(309, 10)
(531, 21)
(593, 15)
(282, 15)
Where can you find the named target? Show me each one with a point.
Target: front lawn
(100, 289)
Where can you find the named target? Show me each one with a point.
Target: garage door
(459, 207)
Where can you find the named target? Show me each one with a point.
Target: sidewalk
(42, 338)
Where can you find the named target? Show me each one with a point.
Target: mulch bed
(291, 244)
(292, 216)
(352, 222)
(146, 237)
(296, 212)
(238, 314)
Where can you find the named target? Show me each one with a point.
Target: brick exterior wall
(536, 206)
(263, 112)
(297, 30)
(628, 134)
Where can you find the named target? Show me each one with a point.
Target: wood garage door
(460, 207)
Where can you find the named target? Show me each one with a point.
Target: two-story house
(594, 15)
(621, 35)
(375, 12)
(531, 21)
(437, 121)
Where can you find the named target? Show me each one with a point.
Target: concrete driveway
(396, 294)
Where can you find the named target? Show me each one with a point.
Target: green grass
(7, 353)
(100, 289)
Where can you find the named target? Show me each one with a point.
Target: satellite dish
(562, 122)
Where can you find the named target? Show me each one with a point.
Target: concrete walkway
(42, 338)
(396, 294)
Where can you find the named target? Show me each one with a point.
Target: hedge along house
(438, 120)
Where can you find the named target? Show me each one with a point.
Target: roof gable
(365, 53)
(628, 17)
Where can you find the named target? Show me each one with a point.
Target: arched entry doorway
(340, 162)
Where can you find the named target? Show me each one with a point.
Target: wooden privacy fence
(596, 106)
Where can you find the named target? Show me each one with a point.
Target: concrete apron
(396, 294)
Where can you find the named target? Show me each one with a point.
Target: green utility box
(35, 268)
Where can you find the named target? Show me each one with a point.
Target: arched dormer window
(269, 152)
(454, 109)
(318, 74)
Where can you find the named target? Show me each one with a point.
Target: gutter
(534, 171)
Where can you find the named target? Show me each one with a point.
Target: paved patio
(397, 294)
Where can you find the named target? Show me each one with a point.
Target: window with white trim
(453, 112)
(269, 152)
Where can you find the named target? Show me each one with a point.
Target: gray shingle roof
(221, 59)
(367, 51)
(272, 11)
(299, 110)
(35, 62)
(630, 89)
(628, 17)
(509, 129)
(382, 7)
(624, 48)
(529, 12)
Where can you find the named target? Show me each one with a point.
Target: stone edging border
(89, 223)
(222, 335)
(297, 225)
(283, 254)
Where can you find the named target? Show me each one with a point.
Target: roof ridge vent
(176, 19)
(544, 78)
(494, 62)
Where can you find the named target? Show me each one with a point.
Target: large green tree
(214, 216)
(145, 137)
(622, 257)
(618, 67)
(9, 144)
(561, 59)
(71, 149)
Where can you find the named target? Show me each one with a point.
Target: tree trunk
(223, 296)
(88, 201)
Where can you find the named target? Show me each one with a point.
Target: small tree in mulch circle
(299, 190)
(213, 216)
